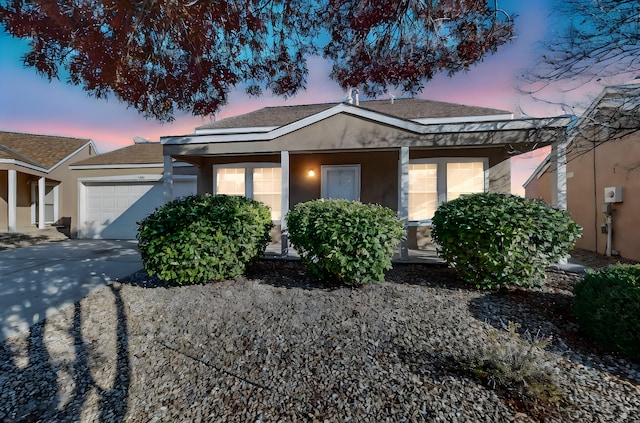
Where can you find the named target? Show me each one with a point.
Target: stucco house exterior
(602, 172)
(37, 187)
(406, 154)
(115, 190)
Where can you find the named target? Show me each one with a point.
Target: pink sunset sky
(30, 103)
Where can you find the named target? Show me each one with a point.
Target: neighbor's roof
(43, 151)
(136, 154)
(404, 108)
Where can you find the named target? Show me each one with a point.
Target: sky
(30, 103)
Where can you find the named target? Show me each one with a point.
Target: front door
(341, 182)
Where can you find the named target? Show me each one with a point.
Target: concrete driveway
(37, 281)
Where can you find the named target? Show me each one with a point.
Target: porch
(414, 256)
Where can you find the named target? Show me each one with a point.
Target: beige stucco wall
(539, 188)
(613, 163)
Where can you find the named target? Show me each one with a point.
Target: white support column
(403, 207)
(284, 205)
(41, 206)
(12, 202)
(559, 178)
(167, 179)
(56, 204)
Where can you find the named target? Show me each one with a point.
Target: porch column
(559, 177)
(403, 207)
(284, 205)
(12, 203)
(167, 179)
(41, 206)
(56, 204)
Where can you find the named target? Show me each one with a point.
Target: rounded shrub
(196, 239)
(607, 307)
(345, 241)
(495, 240)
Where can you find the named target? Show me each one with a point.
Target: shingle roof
(404, 108)
(39, 150)
(143, 153)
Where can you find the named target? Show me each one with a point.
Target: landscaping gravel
(274, 347)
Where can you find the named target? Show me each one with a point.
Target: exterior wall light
(311, 173)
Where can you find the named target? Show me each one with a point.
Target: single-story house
(602, 172)
(37, 187)
(406, 154)
(117, 189)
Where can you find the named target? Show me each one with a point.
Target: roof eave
(466, 126)
(24, 164)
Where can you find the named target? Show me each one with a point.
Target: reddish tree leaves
(160, 56)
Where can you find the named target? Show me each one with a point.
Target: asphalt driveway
(37, 281)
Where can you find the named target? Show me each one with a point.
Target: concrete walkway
(36, 281)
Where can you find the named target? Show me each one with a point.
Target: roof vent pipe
(357, 97)
(349, 98)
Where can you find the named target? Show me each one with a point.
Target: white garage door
(112, 209)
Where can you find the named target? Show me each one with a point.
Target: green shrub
(494, 240)
(196, 239)
(607, 307)
(346, 241)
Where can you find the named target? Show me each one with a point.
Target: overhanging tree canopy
(588, 41)
(160, 56)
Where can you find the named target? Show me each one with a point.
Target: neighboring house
(117, 189)
(602, 152)
(36, 185)
(409, 155)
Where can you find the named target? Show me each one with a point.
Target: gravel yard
(273, 347)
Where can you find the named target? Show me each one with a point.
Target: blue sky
(30, 103)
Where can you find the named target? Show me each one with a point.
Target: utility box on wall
(613, 195)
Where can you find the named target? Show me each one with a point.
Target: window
(464, 178)
(267, 188)
(423, 190)
(433, 181)
(260, 181)
(230, 181)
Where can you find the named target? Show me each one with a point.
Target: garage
(111, 209)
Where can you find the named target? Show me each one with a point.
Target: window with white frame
(464, 178)
(434, 181)
(260, 181)
(267, 188)
(230, 181)
(423, 190)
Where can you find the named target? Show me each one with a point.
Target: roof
(136, 154)
(43, 151)
(405, 108)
